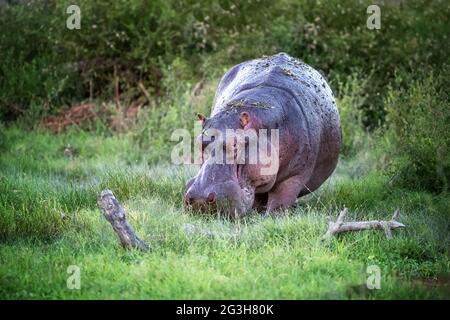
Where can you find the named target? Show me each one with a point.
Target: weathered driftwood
(340, 226)
(115, 214)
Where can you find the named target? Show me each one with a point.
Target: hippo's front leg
(284, 194)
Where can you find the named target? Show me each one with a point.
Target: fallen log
(115, 214)
(340, 226)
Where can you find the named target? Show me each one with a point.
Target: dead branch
(340, 226)
(115, 214)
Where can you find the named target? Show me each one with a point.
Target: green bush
(33, 70)
(418, 122)
(177, 109)
(350, 100)
(132, 42)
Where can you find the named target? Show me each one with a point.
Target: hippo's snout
(190, 199)
(199, 197)
(225, 197)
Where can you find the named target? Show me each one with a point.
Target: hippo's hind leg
(284, 194)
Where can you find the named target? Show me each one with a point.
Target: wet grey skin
(277, 92)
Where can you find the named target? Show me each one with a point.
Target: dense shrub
(33, 75)
(419, 119)
(125, 43)
(350, 100)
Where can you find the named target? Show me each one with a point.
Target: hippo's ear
(245, 119)
(201, 117)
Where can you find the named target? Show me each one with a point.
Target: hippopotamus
(277, 92)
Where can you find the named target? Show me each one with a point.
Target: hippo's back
(279, 71)
(311, 95)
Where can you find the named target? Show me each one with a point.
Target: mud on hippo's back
(309, 91)
(279, 71)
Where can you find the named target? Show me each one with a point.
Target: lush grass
(49, 183)
(49, 220)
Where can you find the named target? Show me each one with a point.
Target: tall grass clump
(350, 100)
(418, 132)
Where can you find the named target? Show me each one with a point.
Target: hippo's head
(231, 169)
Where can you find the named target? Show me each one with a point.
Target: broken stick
(340, 226)
(115, 214)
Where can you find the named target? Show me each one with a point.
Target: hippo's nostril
(211, 198)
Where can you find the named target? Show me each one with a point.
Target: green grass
(49, 221)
